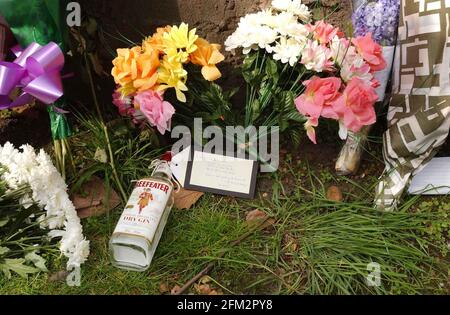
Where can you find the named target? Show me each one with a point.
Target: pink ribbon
(36, 72)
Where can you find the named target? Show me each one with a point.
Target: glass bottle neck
(162, 170)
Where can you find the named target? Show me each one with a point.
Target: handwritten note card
(221, 175)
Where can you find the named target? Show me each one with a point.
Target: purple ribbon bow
(36, 71)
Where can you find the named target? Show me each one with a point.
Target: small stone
(58, 276)
(175, 289)
(163, 288)
(334, 194)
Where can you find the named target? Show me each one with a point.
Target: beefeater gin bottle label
(144, 209)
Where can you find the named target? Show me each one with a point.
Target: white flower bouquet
(299, 71)
(35, 209)
(272, 41)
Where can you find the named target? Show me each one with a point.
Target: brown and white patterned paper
(419, 112)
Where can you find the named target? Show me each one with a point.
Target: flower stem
(105, 130)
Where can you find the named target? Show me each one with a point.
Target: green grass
(315, 246)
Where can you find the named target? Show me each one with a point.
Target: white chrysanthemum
(299, 32)
(293, 6)
(252, 32)
(286, 24)
(80, 253)
(48, 191)
(287, 51)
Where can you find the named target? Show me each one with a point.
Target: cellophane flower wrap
(299, 71)
(380, 18)
(165, 61)
(34, 209)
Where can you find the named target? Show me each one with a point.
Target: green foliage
(271, 91)
(20, 235)
(17, 265)
(315, 246)
(207, 101)
(439, 230)
(133, 152)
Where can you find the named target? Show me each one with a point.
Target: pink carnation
(370, 51)
(158, 112)
(356, 105)
(318, 98)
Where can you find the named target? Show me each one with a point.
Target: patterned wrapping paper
(419, 112)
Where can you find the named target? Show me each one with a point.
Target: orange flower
(208, 56)
(156, 41)
(147, 70)
(134, 70)
(125, 68)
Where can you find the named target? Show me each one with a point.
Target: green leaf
(294, 115)
(271, 68)
(5, 271)
(249, 60)
(283, 123)
(17, 265)
(256, 106)
(3, 222)
(288, 100)
(296, 135)
(3, 250)
(37, 260)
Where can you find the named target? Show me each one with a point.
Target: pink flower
(317, 57)
(341, 49)
(123, 103)
(323, 32)
(370, 51)
(158, 112)
(310, 131)
(357, 68)
(375, 83)
(356, 105)
(318, 98)
(126, 108)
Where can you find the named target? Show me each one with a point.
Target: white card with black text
(220, 174)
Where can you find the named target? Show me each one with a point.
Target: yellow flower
(179, 43)
(156, 41)
(127, 89)
(172, 75)
(208, 56)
